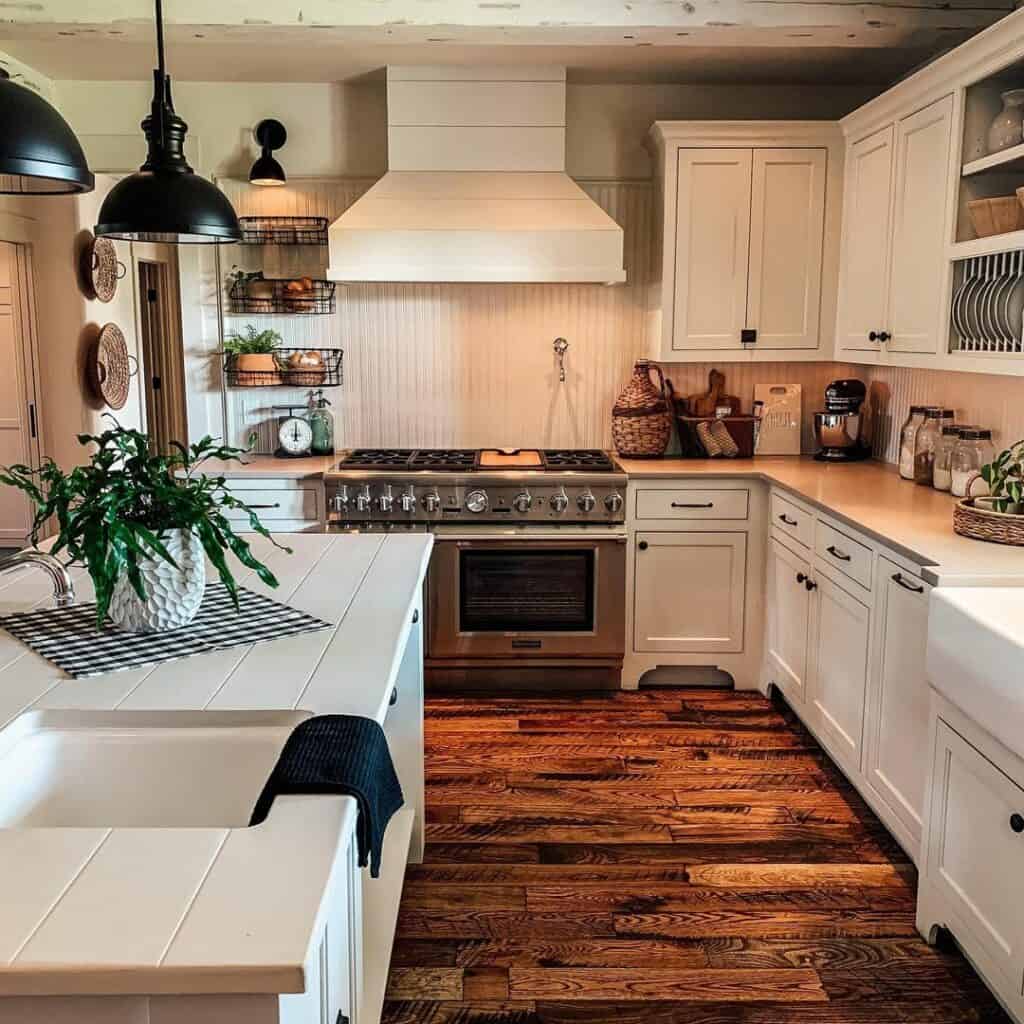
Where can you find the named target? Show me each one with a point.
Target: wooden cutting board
(705, 404)
(510, 458)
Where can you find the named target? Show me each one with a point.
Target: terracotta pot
(263, 364)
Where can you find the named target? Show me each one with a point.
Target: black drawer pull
(1017, 822)
(783, 518)
(693, 504)
(898, 577)
(416, 616)
(275, 504)
(642, 545)
(393, 699)
(836, 553)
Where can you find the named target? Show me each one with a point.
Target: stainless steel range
(527, 582)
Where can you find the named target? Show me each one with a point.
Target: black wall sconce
(270, 135)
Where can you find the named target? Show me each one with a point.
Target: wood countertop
(103, 911)
(916, 522)
(268, 467)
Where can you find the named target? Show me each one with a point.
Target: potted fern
(141, 523)
(253, 356)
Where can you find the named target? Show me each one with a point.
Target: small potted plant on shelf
(252, 357)
(1005, 478)
(140, 523)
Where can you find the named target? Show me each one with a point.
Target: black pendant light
(165, 200)
(39, 154)
(270, 135)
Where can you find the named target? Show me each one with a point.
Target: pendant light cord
(160, 37)
(161, 72)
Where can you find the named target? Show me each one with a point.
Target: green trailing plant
(252, 342)
(113, 512)
(1005, 478)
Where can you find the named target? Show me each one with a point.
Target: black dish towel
(340, 754)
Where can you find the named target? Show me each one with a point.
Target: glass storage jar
(942, 477)
(908, 435)
(972, 451)
(925, 443)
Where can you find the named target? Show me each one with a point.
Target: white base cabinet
(788, 622)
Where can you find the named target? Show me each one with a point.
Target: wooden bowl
(996, 216)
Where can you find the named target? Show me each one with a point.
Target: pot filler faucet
(63, 588)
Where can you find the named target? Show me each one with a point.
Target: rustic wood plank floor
(657, 857)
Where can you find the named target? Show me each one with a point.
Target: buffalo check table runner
(68, 637)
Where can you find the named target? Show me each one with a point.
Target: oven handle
(520, 538)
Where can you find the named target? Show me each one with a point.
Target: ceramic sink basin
(975, 654)
(128, 769)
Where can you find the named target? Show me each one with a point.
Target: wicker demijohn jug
(641, 419)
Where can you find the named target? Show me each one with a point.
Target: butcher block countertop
(89, 911)
(916, 522)
(268, 467)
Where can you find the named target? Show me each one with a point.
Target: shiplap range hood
(476, 188)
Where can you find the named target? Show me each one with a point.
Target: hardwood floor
(657, 857)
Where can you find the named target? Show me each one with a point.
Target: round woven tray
(102, 269)
(110, 369)
(980, 524)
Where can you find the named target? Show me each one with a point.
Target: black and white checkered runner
(68, 636)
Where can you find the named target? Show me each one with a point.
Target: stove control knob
(387, 500)
(408, 499)
(339, 503)
(522, 502)
(432, 502)
(586, 502)
(363, 499)
(476, 501)
(559, 501)
(613, 502)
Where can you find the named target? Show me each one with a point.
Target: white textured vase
(173, 595)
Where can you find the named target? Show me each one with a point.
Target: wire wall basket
(302, 296)
(290, 368)
(988, 306)
(283, 230)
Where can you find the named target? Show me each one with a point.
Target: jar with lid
(972, 451)
(925, 443)
(908, 435)
(942, 477)
(321, 419)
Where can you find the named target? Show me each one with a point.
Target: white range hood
(476, 188)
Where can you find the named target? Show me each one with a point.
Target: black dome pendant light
(165, 200)
(270, 135)
(39, 154)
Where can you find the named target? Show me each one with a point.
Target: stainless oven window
(516, 590)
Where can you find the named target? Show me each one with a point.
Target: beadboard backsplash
(437, 365)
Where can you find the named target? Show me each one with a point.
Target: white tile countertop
(203, 909)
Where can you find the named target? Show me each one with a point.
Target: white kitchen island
(269, 924)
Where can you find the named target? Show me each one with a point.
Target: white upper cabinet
(864, 269)
(748, 253)
(787, 230)
(712, 247)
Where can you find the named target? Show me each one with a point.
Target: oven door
(500, 597)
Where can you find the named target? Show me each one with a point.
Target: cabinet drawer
(275, 503)
(849, 556)
(792, 520)
(675, 503)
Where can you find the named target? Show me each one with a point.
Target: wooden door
(897, 709)
(864, 270)
(689, 592)
(838, 670)
(788, 615)
(712, 248)
(974, 855)
(916, 317)
(787, 231)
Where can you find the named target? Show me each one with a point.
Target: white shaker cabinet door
(787, 226)
(789, 604)
(918, 228)
(897, 733)
(864, 271)
(689, 592)
(838, 670)
(712, 248)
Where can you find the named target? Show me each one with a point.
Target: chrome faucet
(63, 588)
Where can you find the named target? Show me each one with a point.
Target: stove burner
(591, 459)
(445, 460)
(377, 458)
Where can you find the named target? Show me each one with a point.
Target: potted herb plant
(1005, 478)
(141, 523)
(253, 355)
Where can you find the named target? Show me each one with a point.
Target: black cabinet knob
(884, 335)
(1017, 822)
(810, 585)
(801, 577)
(873, 336)
(642, 545)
